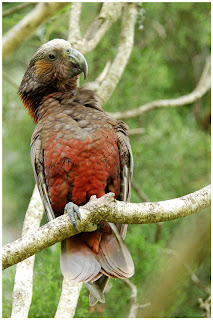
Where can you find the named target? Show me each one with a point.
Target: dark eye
(51, 56)
(68, 50)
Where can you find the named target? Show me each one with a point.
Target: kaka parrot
(77, 151)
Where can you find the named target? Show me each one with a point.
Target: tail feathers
(78, 262)
(101, 284)
(114, 257)
(96, 293)
(115, 260)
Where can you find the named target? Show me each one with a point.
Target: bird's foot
(73, 212)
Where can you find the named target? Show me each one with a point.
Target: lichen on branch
(108, 209)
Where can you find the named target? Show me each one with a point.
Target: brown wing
(37, 161)
(127, 165)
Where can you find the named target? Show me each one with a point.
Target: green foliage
(171, 157)
(46, 283)
(7, 284)
(82, 310)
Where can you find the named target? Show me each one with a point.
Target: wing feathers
(38, 168)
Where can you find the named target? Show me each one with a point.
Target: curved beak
(79, 63)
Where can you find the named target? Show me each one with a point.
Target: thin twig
(161, 288)
(159, 227)
(139, 191)
(201, 89)
(205, 306)
(105, 208)
(10, 80)
(17, 8)
(136, 131)
(194, 278)
(134, 304)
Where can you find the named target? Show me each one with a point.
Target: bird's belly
(77, 169)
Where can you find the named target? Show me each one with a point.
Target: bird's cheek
(43, 68)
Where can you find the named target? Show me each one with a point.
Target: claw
(73, 211)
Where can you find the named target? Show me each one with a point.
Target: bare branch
(136, 131)
(144, 197)
(94, 85)
(69, 299)
(201, 89)
(194, 278)
(22, 292)
(139, 191)
(16, 8)
(124, 50)
(105, 208)
(206, 74)
(74, 23)
(109, 13)
(189, 241)
(205, 306)
(134, 304)
(25, 28)
(160, 29)
(159, 228)
(10, 80)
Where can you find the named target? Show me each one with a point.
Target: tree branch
(135, 131)
(205, 306)
(105, 208)
(139, 191)
(203, 86)
(123, 53)
(69, 299)
(144, 198)
(27, 26)
(94, 85)
(10, 80)
(194, 278)
(22, 292)
(109, 13)
(161, 287)
(134, 304)
(17, 8)
(74, 23)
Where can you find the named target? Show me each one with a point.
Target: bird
(78, 151)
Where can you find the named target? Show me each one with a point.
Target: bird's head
(54, 67)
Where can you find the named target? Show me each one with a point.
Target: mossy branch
(105, 208)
